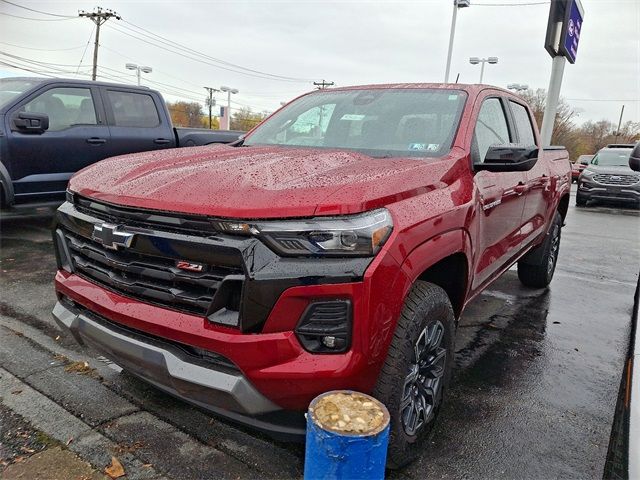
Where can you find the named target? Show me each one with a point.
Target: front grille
(151, 278)
(622, 180)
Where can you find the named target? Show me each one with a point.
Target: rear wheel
(417, 371)
(537, 267)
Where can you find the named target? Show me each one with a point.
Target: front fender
(434, 250)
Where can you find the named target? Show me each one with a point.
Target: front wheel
(537, 267)
(417, 370)
(580, 200)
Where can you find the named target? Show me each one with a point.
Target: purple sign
(571, 31)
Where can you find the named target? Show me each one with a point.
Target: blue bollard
(348, 450)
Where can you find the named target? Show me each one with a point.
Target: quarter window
(491, 129)
(523, 124)
(65, 107)
(133, 109)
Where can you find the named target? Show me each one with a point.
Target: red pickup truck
(334, 247)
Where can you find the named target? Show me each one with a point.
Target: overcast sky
(348, 42)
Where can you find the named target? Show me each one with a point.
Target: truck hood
(257, 182)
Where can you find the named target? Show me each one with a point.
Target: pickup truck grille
(150, 278)
(622, 180)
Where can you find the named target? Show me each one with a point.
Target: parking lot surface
(533, 396)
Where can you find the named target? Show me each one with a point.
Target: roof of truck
(467, 87)
(44, 81)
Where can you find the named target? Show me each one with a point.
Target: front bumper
(590, 190)
(223, 389)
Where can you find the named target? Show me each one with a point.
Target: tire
(427, 319)
(580, 200)
(536, 268)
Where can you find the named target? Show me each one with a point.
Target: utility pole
(619, 123)
(211, 103)
(323, 84)
(98, 16)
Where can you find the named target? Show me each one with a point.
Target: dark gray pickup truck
(51, 128)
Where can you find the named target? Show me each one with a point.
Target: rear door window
(133, 109)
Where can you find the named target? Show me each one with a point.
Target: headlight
(359, 235)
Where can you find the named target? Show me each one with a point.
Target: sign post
(563, 34)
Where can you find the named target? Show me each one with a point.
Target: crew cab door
(42, 163)
(135, 122)
(538, 199)
(500, 194)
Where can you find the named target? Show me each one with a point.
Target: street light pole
(229, 92)
(456, 5)
(518, 87)
(476, 60)
(138, 69)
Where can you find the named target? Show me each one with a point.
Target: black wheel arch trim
(7, 185)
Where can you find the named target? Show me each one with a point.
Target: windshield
(377, 122)
(612, 157)
(11, 88)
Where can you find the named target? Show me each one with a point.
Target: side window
(133, 109)
(491, 129)
(65, 107)
(523, 124)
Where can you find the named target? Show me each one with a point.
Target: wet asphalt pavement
(533, 396)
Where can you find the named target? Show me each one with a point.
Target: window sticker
(353, 117)
(418, 146)
(453, 97)
(433, 147)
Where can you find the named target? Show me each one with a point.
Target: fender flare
(7, 185)
(435, 249)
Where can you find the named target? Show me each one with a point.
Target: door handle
(161, 141)
(521, 188)
(96, 141)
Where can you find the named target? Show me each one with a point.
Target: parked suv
(334, 248)
(609, 177)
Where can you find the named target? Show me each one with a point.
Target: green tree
(245, 119)
(187, 114)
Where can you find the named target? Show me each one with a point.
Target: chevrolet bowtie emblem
(108, 235)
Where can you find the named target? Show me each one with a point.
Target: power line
(84, 52)
(36, 19)
(229, 64)
(24, 59)
(43, 49)
(175, 50)
(37, 11)
(99, 17)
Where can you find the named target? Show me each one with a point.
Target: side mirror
(31, 122)
(509, 158)
(634, 158)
